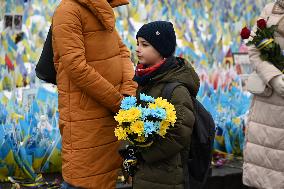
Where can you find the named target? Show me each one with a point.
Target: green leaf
(249, 43)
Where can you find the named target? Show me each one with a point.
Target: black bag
(45, 69)
(197, 166)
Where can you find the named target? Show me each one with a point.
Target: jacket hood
(103, 10)
(184, 73)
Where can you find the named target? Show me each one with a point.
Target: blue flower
(128, 102)
(159, 113)
(149, 128)
(157, 126)
(145, 113)
(146, 98)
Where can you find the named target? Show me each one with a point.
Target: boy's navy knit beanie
(161, 35)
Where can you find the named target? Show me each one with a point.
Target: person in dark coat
(160, 166)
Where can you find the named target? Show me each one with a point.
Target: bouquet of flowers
(264, 41)
(142, 122)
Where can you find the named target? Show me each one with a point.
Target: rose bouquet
(264, 41)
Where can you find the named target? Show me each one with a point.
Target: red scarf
(142, 70)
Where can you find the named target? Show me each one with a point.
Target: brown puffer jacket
(94, 71)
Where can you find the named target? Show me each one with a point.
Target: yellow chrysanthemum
(130, 115)
(171, 116)
(137, 127)
(127, 130)
(134, 113)
(120, 133)
(120, 116)
(162, 103)
(152, 106)
(163, 129)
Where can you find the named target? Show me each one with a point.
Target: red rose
(261, 24)
(245, 33)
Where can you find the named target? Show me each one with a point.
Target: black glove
(131, 157)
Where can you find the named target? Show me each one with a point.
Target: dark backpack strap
(167, 94)
(168, 90)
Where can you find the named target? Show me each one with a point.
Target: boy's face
(146, 53)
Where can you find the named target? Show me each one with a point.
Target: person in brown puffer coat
(94, 73)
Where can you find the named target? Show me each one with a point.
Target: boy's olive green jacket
(163, 168)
